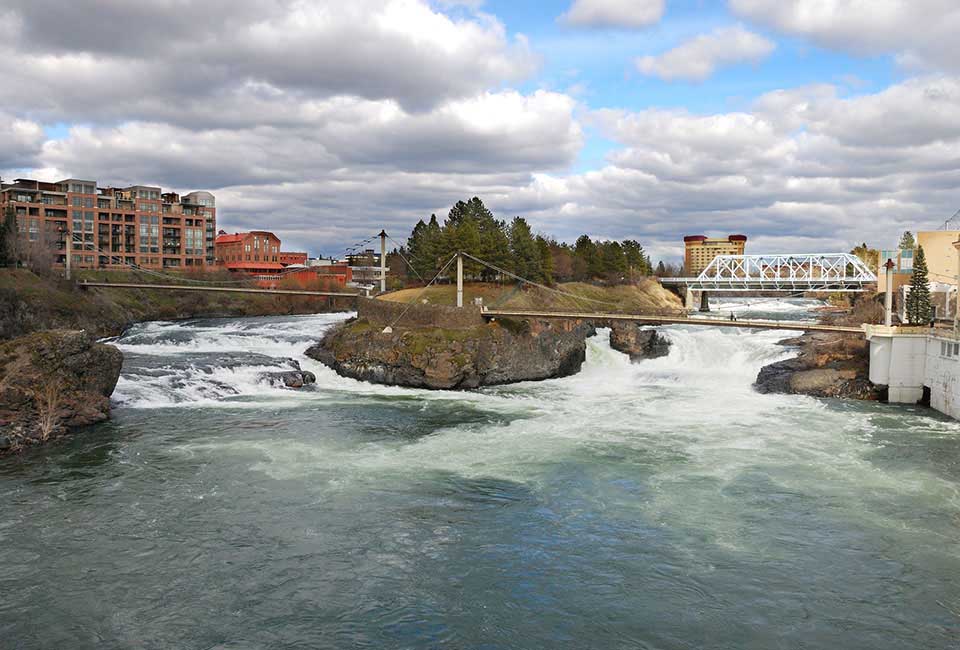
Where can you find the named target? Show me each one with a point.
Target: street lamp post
(888, 296)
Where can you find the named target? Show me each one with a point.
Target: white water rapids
(660, 504)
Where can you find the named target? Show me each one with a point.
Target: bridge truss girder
(794, 273)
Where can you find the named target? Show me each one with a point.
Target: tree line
(470, 227)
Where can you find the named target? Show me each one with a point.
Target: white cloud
(614, 13)
(696, 59)
(422, 114)
(20, 142)
(147, 59)
(920, 32)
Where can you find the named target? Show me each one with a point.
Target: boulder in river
(827, 365)
(51, 382)
(499, 352)
(290, 378)
(639, 343)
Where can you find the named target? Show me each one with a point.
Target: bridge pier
(696, 300)
(704, 301)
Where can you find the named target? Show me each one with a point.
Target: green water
(654, 505)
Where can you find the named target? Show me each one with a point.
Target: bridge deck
(676, 320)
(179, 287)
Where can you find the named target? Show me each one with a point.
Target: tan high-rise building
(114, 228)
(700, 250)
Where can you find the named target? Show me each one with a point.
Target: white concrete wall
(899, 362)
(943, 375)
(908, 362)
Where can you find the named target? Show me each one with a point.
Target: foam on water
(668, 483)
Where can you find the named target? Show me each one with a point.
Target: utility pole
(383, 261)
(69, 250)
(888, 296)
(459, 279)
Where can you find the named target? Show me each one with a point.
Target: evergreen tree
(523, 248)
(661, 269)
(433, 242)
(494, 246)
(586, 251)
(546, 259)
(906, 241)
(919, 310)
(612, 259)
(417, 249)
(638, 264)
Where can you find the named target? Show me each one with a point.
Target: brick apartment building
(115, 228)
(258, 253)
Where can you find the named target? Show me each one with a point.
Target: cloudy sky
(809, 125)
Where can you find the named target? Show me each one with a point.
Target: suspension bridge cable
(409, 264)
(416, 297)
(537, 284)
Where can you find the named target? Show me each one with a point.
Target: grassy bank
(30, 303)
(646, 297)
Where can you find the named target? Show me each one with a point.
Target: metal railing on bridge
(793, 273)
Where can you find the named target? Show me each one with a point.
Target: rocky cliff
(429, 357)
(827, 365)
(51, 382)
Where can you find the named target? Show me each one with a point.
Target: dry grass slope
(647, 297)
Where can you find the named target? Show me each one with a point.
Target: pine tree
(417, 249)
(434, 245)
(906, 241)
(546, 259)
(523, 248)
(919, 309)
(586, 252)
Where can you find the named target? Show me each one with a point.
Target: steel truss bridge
(786, 273)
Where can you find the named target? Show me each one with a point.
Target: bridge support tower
(696, 300)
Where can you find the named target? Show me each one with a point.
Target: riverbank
(31, 303)
(828, 364)
(55, 378)
(52, 382)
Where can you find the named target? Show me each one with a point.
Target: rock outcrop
(51, 382)
(637, 342)
(501, 352)
(828, 365)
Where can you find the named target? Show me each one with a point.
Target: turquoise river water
(662, 504)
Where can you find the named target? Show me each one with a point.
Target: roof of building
(229, 239)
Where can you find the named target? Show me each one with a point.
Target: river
(662, 504)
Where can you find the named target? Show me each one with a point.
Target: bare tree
(47, 400)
